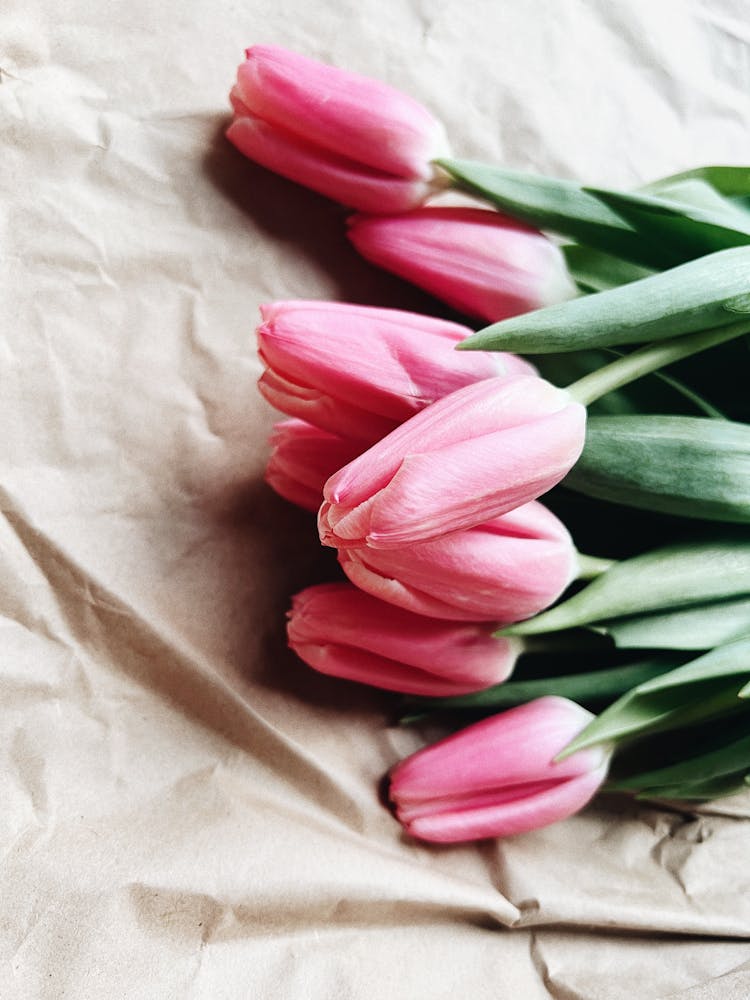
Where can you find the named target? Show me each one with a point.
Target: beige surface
(186, 811)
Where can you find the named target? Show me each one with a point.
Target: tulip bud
(303, 457)
(350, 138)
(360, 371)
(338, 630)
(470, 457)
(498, 777)
(474, 259)
(505, 570)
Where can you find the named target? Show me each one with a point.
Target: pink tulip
(498, 777)
(472, 258)
(470, 457)
(338, 630)
(302, 459)
(350, 138)
(505, 570)
(362, 370)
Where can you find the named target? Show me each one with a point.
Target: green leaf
(713, 291)
(559, 206)
(672, 577)
(687, 230)
(689, 466)
(695, 191)
(594, 685)
(727, 760)
(700, 790)
(595, 271)
(699, 627)
(695, 691)
(733, 182)
(670, 221)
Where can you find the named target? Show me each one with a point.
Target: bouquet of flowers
(424, 446)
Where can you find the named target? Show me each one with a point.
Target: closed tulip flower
(505, 570)
(474, 259)
(302, 458)
(499, 777)
(360, 371)
(348, 137)
(470, 457)
(341, 631)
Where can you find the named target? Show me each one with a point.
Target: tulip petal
(341, 631)
(474, 259)
(429, 494)
(302, 459)
(451, 488)
(353, 664)
(315, 407)
(461, 417)
(385, 361)
(499, 777)
(346, 113)
(512, 748)
(505, 570)
(327, 173)
(508, 818)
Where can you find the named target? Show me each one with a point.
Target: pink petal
(327, 173)
(346, 113)
(478, 261)
(507, 818)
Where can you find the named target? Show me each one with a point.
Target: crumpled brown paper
(187, 811)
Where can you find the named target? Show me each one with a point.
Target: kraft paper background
(186, 811)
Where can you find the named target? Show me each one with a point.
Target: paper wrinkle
(678, 847)
(541, 967)
(274, 918)
(89, 609)
(554, 990)
(733, 985)
(98, 606)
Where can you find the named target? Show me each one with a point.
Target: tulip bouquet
(424, 446)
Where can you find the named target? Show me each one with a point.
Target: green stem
(589, 567)
(594, 685)
(649, 358)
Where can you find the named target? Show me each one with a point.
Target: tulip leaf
(702, 294)
(699, 627)
(670, 221)
(699, 193)
(676, 576)
(689, 466)
(733, 182)
(700, 790)
(592, 686)
(596, 271)
(689, 230)
(728, 760)
(559, 206)
(695, 691)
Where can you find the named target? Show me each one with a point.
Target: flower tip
(507, 632)
(325, 531)
(472, 343)
(268, 311)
